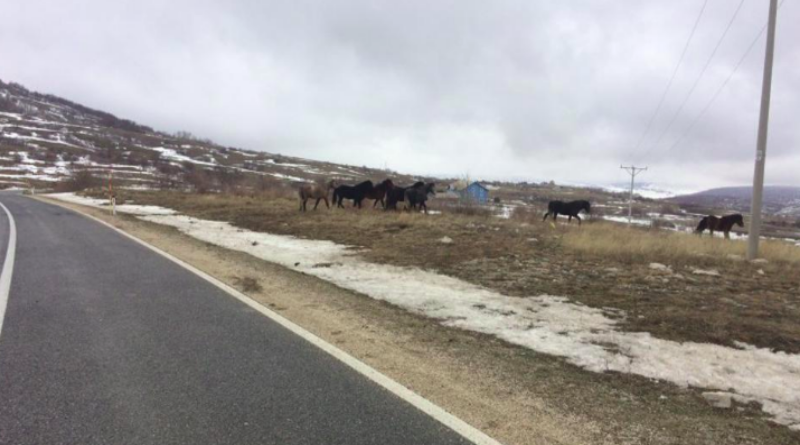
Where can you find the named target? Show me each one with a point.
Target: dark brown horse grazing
(571, 209)
(314, 191)
(398, 194)
(724, 224)
(416, 196)
(379, 192)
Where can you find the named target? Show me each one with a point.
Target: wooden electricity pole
(633, 171)
(761, 144)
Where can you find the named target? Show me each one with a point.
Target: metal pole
(633, 171)
(630, 201)
(761, 145)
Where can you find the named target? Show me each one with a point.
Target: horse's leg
(327, 206)
(424, 207)
(727, 235)
(317, 203)
(545, 216)
(579, 219)
(301, 204)
(569, 219)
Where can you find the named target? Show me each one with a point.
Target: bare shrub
(80, 180)
(198, 180)
(470, 209)
(526, 214)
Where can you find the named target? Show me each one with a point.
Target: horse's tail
(702, 226)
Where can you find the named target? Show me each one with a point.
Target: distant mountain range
(778, 200)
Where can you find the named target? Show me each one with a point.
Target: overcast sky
(525, 90)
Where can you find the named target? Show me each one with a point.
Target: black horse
(724, 224)
(571, 209)
(416, 196)
(398, 194)
(355, 192)
(379, 192)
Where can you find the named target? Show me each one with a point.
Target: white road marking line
(464, 429)
(8, 265)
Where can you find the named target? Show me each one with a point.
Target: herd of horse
(416, 195)
(386, 193)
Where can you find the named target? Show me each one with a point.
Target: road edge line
(8, 265)
(438, 413)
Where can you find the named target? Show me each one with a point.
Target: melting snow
(624, 219)
(584, 336)
(168, 153)
(104, 203)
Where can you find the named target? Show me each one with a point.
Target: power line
(672, 78)
(721, 87)
(697, 80)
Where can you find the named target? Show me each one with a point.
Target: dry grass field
(704, 292)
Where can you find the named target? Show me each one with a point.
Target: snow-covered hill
(45, 140)
(648, 190)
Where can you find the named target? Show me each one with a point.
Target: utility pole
(761, 144)
(633, 171)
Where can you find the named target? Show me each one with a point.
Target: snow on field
(31, 176)
(285, 164)
(12, 135)
(624, 219)
(132, 209)
(291, 178)
(649, 191)
(171, 154)
(584, 336)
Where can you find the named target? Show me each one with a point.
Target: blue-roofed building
(476, 192)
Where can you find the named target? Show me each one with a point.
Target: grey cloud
(514, 89)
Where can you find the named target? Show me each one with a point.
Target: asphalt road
(106, 342)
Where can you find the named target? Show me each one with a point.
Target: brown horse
(314, 191)
(379, 192)
(724, 224)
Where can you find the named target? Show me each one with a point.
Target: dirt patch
(511, 393)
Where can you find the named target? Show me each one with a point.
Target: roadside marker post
(111, 196)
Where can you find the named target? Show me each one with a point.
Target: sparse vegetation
(637, 245)
(81, 179)
(599, 264)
